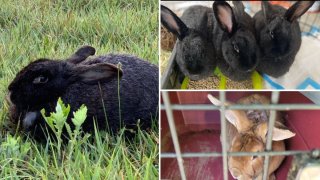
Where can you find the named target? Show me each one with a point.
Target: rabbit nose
(29, 120)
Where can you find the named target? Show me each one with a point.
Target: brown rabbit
(246, 132)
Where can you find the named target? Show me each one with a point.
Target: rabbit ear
(279, 133)
(238, 8)
(214, 100)
(297, 10)
(224, 14)
(266, 9)
(236, 117)
(173, 23)
(81, 54)
(91, 74)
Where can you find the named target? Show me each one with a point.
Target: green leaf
(57, 119)
(80, 116)
(61, 114)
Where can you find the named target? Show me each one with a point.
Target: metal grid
(309, 25)
(168, 107)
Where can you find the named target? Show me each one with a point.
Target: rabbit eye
(235, 47)
(271, 34)
(40, 80)
(254, 157)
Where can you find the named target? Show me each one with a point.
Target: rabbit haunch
(93, 82)
(246, 132)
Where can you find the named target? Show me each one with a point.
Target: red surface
(199, 131)
(196, 168)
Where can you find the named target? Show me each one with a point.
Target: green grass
(33, 29)
(97, 157)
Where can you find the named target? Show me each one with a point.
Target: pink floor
(199, 131)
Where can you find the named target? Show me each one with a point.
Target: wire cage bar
(174, 134)
(281, 107)
(169, 108)
(222, 96)
(217, 154)
(274, 100)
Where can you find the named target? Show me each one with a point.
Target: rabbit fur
(194, 49)
(234, 40)
(246, 132)
(91, 82)
(279, 36)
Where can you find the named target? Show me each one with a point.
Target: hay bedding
(167, 43)
(167, 39)
(164, 60)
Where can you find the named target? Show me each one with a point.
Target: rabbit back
(138, 89)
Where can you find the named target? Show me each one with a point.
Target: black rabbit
(279, 36)
(231, 31)
(234, 40)
(42, 82)
(194, 49)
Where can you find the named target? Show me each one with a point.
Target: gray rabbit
(75, 80)
(279, 36)
(234, 39)
(194, 49)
